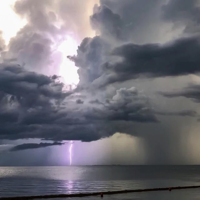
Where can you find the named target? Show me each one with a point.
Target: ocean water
(31, 181)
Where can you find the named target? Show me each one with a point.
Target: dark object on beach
(101, 195)
(170, 189)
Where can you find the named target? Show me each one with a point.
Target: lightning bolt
(70, 152)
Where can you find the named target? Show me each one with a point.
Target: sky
(99, 82)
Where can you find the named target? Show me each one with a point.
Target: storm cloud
(183, 14)
(176, 58)
(28, 89)
(184, 113)
(48, 23)
(124, 48)
(118, 55)
(191, 92)
(37, 106)
(108, 23)
(34, 146)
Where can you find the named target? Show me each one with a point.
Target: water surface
(27, 181)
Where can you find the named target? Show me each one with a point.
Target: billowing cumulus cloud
(106, 22)
(49, 23)
(137, 21)
(124, 46)
(28, 89)
(90, 59)
(176, 58)
(36, 106)
(113, 56)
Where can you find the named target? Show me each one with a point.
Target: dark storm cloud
(29, 89)
(184, 113)
(34, 146)
(7, 117)
(151, 50)
(129, 20)
(107, 23)
(33, 50)
(116, 22)
(103, 60)
(185, 13)
(181, 10)
(35, 106)
(128, 104)
(33, 44)
(79, 101)
(92, 53)
(24, 94)
(191, 92)
(96, 101)
(151, 60)
(125, 105)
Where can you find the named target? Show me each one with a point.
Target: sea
(34, 181)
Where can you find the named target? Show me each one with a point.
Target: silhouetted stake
(97, 193)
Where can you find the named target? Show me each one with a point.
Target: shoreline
(98, 193)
